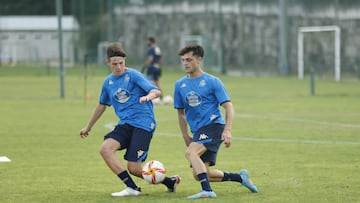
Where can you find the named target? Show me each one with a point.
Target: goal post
(302, 31)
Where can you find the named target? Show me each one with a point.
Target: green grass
(275, 116)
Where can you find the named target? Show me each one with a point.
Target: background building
(34, 39)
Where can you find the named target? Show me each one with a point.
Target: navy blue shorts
(153, 73)
(210, 137)
(136, 141)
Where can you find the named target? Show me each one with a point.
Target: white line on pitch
(254, 139)
(298, 120)
(279, 140)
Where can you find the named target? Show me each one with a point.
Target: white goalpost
(302, 31)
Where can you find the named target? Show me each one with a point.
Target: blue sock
(204, 180)
(232, 177)
(125, 177)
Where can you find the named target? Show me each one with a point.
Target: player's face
(117, 65)
(191, 63)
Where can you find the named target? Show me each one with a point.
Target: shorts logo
(193, 99)
(122, 95)
(140, 153)
(203, 136)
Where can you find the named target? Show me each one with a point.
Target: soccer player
(197, 98)
(153, 62)
(130, 94)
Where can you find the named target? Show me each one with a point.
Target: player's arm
(98, 111)
(183, 126)
(229, 117)
(153, 94)
(149, 60)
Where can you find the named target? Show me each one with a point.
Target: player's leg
(193, 153)
(115, 140)
(137, 153)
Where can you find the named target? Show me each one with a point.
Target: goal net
(304, 30)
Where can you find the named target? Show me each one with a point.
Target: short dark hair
(196, 49)
(115, 49)
(151, 39)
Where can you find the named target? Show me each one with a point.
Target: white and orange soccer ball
(168, 100)
(154, 172)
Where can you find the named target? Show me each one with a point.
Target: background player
(153, 62)
(129, 93)
(197, 98)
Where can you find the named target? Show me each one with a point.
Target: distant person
(130, 94)
(153, 62)
(197, 98)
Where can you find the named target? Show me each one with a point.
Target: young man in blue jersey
(130, 94)
(197, 98)
(153, 62)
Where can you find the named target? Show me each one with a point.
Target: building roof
(37, 23)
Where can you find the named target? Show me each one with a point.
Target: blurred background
(244, 37)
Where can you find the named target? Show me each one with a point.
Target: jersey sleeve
(104, 96)
(220, 92)
(178, 102)
(142, 82)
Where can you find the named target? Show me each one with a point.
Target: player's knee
(188, 153)
(105, 151)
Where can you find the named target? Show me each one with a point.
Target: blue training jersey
(155, 52)
(201, 98)
(123, 94)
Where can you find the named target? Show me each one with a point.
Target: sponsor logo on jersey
(122, 95)
(203, 136)
(193, 99)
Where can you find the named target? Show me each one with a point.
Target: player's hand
(84, 132)
(226, 137)
(144, 99)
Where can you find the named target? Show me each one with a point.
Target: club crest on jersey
(122, 95)
(193, 99)
(202, 83)
(127, 78)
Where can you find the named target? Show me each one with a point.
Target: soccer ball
(156, 101)
(154, 172)
(168, 100)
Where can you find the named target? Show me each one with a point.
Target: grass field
(297, 147)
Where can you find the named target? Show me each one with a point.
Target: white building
(34, 39)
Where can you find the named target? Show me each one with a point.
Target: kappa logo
(203, 136)
(152, 126)
(111, 82)
(140, 153)
(127, 78)
(213, 117)
(183, 85)
(202, 83)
